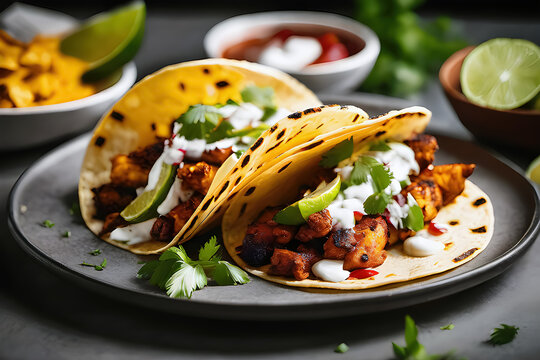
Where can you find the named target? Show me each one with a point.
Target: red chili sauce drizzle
(362, 274)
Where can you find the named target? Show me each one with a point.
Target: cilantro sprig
(199, 121)
(100, 267)
(413, 350)
(379, 146)
(262, 97)
(47, 223)
(338, 153)
(415, 217)
(503, 335)
(179, 275)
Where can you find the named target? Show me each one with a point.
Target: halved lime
(533, 171)
(316, 201)
(502, 73)
(145, 206)
(108, 40)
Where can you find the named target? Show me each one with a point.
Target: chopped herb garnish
(95, 252)
(48, 224)
(262, 97)
(447, 327)
(413, 350)
(66, 234)
(75, 209)
(232, 102)
(415, 217)
(503, 335)
(377, 203)
(179, 275)
(379, 146)
(341, 348)
(361, 170)
(96, 267)
(199, 121)
(338, 153)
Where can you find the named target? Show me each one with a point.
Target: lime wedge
(108, 40)
(145, 206)
(533, 171)
(502, 73)
(318, 200)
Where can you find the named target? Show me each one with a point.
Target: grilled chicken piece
(167, 226)
(197, 176)
(290, 263)
(395, 235)
(109, 198)
(428, 195)
(318, 225)
(424, 147)
(371, 234)
(450, 178)
(339, 244)
(127, 172)
(216, 156)
(257, 246)
(147, 156)
(113, 221)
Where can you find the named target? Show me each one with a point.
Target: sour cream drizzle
(330, 270)
(133, 233)
(422, 244)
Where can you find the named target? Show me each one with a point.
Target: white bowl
(337, 76)
(37, 125)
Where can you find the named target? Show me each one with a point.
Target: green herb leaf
(338, 153)
(66, 234)
(341, 348)
(377, 203)
(228, 274)
(48, 224)
(95, 252)
(263, 97)
(199, 121)
(75, 209)
(184, 281)
(163, 272)
(381, 177)
(231, 102)
(253, 132)
(379, 146)
(175, 253)
(503, 335)
(415, 217)
(210, 250)
(96, 267)
(447, 327)
(147, 270)
(361, 170)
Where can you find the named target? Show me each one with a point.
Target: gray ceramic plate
(48, 189)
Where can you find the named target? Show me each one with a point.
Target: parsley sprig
(503, 335)
(179, 275)
(413, 350)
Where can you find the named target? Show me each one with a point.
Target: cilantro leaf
(447, 327)
(228, 274)
(95, 252)
(48, 224)
(198, 121)
(361, 170)
(222, 131)
(377, 203)
(381, 177)
(415, 217)
(184, 281)
(210, 250)
(263, 97)
(338, 153)
(66, 234)
(179, 275)
(503, 335)
(96, 267)
(341, 348)
(379, 146)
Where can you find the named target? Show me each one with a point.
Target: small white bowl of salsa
(327, 52)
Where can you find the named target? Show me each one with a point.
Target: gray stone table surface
(43, 316)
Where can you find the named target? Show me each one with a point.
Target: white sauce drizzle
(330, 270)
(422, 244)
(296, 53)
(133, 233)
(174, 196)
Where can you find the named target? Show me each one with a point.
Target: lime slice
(533, 171)
(502, 73)
(108, 40)
(145, 206)
(318, 200)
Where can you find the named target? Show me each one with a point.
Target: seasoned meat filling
(424, 147)
(317, 226)
(197, 176)
(110, 198)
(428, 195)
(216, 156)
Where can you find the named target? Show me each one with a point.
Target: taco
(359, 208)
(170, 143)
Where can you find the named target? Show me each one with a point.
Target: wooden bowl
(516, 128)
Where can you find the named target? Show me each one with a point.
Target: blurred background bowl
(336, 76)
(37, 125)
(519, 128)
